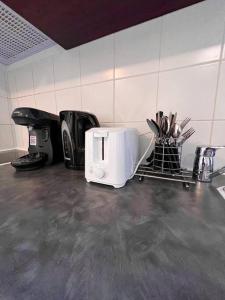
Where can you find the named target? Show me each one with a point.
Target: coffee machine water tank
(73, 127)
(111, 155)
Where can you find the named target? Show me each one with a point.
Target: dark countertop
(61, 238)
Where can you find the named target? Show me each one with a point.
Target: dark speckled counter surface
(61, 238)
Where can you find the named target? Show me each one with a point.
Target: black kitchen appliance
(45, 144)
(73, 126)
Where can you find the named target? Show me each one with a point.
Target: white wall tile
(97, 60)
(3, 92)
(20, 137)
(4, 111)
(102, 124)
(25, 138)
(218, 139)
(6, 138)
(11, 84)
(69, 99)
(24, 80)
(142, 127)
(98, 99)
(17, 136)
(67, 69)
(135, 98)
(200, 137)
(220, 102)
(43, 75)
(193, 35)
(27, 101)
(12, 104)
(137, 49)
(189, 91)
(46, 102)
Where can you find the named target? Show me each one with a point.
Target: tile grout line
(217, 86)
(121, 78)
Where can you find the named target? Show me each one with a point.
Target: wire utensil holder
(165, 163)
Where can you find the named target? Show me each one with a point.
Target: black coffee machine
(45, 144)
(73, 125)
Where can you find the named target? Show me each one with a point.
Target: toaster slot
(103, 148)
(100, 141)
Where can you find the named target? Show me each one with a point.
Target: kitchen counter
(61, 238)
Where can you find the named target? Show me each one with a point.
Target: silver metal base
(183, 176)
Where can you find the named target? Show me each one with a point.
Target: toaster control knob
(99, 173)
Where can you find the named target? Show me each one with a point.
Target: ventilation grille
(18, 38)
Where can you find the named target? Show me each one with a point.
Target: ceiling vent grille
(18, 38)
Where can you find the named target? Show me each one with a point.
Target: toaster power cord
(143, 156)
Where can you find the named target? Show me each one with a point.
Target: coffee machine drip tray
(29, 162)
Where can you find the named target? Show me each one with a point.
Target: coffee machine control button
(99, 173)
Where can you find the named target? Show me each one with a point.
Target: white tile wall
(13, 104)
(3, 92)
(4, 111)
(97, 60)
(135, 98)
(98, 99)
(220, 103)
(46, 101)
(43, 75)
(68, 99)
(189, 91)
(11, 83)
(67, 69)
(172, 63)
(139, 55)
(6, 138)
(193, 35)
(24, 81)
(27, 101)
(218, 138)
(6, 133)
(20, 137)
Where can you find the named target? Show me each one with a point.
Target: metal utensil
(159, 116)
(184, 123)
(176, 131)
(186, 136)
(168, 126)
(173, 118)
(154, 127)
(165, 126)
(186, 133)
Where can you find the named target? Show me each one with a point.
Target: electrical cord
(142, 157)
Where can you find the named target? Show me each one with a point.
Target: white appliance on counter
(111, 155)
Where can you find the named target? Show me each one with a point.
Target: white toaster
(111, 155)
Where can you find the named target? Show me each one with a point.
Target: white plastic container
(111, 155)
